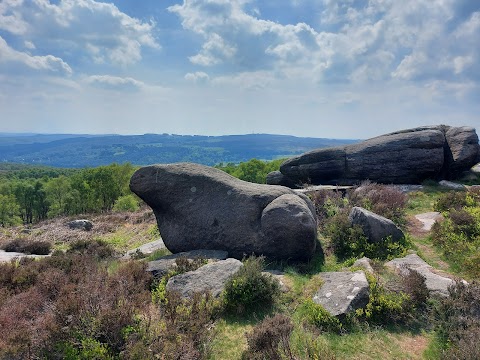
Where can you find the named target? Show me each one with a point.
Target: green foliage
(9, 211)
(250, 289)
(89, 349)
(316, 315)
(254, 170)
(458, 236)
(126, 203)
(385, 307)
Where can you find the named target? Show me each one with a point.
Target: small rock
(166, 263)
(476, 168)
(452, 185)
(342, 292)
(428, 219)
(280, 277)
(81, 224)
(364, 263)
(436, 284)
(211, 277)
(146, 249)
(375, 227)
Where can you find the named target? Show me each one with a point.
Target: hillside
(87, 150)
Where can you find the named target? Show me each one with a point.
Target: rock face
(199, 207)
(404, 157)
(375, 227)
(342, 292)
(81, 224)
(211, 277)
(162, 266)
(436, 284)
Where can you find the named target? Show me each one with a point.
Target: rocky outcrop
(375, 227)
(342, 292)
(435, 283)
(199, 207)
(404, 157)
(211, 277)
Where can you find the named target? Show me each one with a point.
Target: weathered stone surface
(7, 256)
(279, 276)
(374, 226)
(452, 185)
(145, 249)
(81, 224)
(162, 266)
(404, 157)
(428, 219)
(277, 178)
(199, 207)
(211, 277)
(342, 292)
(476, 168)
(364, 263)
(436, 284)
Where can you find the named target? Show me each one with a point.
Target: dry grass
(123, 230)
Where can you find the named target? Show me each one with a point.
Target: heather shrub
(451, 200)
(458, 321)
(270, 339)
(96, 248)
(384, 200)
(327, 203)
(28, 246)
(249, 288)
(413, 284)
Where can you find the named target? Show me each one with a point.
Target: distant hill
(63, 150)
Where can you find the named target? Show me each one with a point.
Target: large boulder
(211, 277)
(342, 292)
(80, 224)
(375, 227)
(200, 207)
(404, 157)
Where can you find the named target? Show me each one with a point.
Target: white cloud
(114, 82)
(29, 45)
(197, 77)
(48, 62)
(106, 33)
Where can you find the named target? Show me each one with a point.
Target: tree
(9, 211)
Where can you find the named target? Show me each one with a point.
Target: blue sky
(321, 68)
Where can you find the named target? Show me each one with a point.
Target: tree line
(29, 194)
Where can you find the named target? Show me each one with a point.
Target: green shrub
(385, 306)
(249, 288)
(270, 339)
(451, 200)
(126, 203)
(316, 315)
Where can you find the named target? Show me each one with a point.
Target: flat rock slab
(146, 249)
(428, 219)
(342, 292)
(364, 263)
(6, 256)
(436, 284)
(452, 185)
(166, 263)
(211, 277)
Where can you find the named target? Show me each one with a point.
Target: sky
(318, 68)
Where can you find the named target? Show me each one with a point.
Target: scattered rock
(200, 207)
(408, 188)
(404, 157)
(428, 219)
(476, 168)
(277, 178)
(280, 277)
(7, 256)
(211, 277)
(364, 263)
(145, 249)
(436, 284)
(342, 292)
(451, 185)
(166, 263)
(81, 224)
(375, 227)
